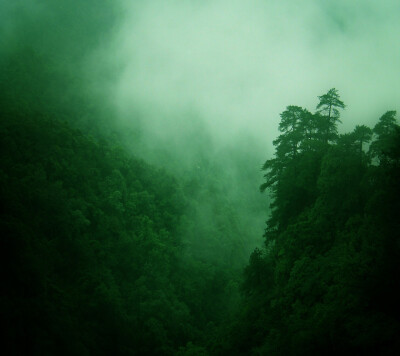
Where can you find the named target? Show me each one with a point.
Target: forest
(137, 237)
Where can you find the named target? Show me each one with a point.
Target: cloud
(238, 64)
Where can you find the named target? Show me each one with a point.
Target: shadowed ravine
(135, 140)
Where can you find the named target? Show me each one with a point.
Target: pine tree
(328, 106)
(384, 131)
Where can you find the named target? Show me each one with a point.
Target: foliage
(103, 253)
(92, 252)
(326, 280)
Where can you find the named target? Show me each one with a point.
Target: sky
(175, 67)
(202, 83)
(235, 65)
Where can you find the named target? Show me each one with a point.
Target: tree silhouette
(328, 106)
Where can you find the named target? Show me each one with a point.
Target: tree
(287, 144)
(291, 175)
(384, 131)
(309, 127)
(325, 283)
(362, 134)
(328, 106)
(386, 124)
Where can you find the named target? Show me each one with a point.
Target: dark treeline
(327, 280)
(103, 253)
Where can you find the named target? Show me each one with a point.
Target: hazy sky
(238, 64)
(232, 66)
(209, 78)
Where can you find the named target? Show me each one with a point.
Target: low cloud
(237, 64)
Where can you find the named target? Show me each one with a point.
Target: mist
(171, 68)
(196, 87)
(236, 65)
(136, 137)
(205, 81)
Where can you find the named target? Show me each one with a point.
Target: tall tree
(325, 283)
(309, 126)
(291, 175)
(328, 106)
(384, 131)
(362, 134)
(288, 142)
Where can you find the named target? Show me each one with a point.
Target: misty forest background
(131, 216)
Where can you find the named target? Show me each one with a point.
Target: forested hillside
(92, 256)
(133, 193)
(326, 281)
(103, 253)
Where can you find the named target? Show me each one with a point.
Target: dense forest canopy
(326, 280)
(132, 137)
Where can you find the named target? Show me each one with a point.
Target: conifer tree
(328, 106)
(362, 134)
(384, 131)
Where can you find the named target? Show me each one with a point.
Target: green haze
(135, 138)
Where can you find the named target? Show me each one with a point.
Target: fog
(209, 79)
(236, 65)
(228, 68)
(197, 86)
